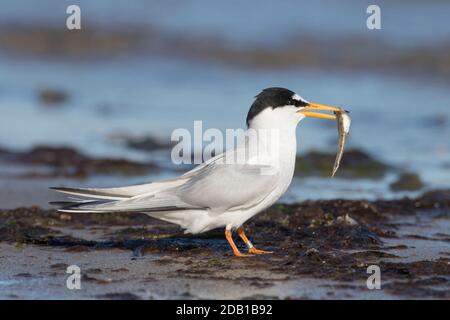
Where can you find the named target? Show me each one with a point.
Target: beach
(97, 107)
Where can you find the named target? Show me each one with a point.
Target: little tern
(219, 193)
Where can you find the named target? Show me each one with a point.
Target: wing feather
(214, 185)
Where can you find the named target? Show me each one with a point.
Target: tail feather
(151, 203)
(78, 205)
(121, 193)
(107, 193)
(148, 197)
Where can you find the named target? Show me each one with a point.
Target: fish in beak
(343, 124)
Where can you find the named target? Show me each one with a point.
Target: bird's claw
(241, 255)
(253, 250)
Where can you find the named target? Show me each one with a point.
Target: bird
(220, 193)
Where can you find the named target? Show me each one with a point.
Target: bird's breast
(283, 158)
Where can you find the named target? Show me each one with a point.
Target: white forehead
(298, 98)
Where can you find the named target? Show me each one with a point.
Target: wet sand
(321, 250)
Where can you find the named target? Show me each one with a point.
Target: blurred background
(96, 106)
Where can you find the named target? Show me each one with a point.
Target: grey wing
(214, 185)
(159, 202)
(128, 192)
(217, 187)
(229, 186)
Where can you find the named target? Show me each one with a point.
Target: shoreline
(322, 250)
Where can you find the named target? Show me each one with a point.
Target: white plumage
(217, 193)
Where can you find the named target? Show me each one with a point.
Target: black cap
(273, 98)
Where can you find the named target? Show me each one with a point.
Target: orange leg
(236, 251)
(251, 248)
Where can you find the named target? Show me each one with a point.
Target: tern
(220, 193)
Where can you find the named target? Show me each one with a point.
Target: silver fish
(343, 124)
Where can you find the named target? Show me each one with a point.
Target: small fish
(343, 124)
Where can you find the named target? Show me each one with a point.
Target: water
(415, 23)
(140, 94)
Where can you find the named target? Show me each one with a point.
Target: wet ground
(321, 250)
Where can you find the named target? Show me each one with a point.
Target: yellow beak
(318, 107)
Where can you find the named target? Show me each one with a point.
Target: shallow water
(411, 24)
(401, 118)
(155, 96)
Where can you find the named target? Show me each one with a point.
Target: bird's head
(283, 108)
